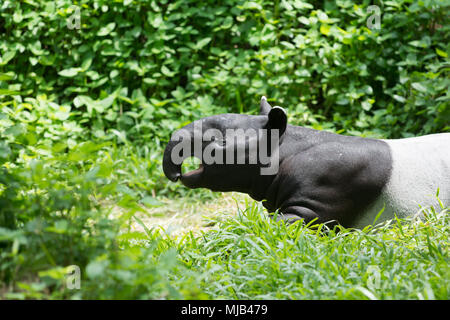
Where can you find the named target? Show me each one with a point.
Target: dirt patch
(180, 215)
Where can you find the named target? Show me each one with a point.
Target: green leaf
(202, 43)
(419, 87)
(7, 76)
(86, 63)
(58, 273)
(107, 102)
(166, 71)
(7, 57)
(155, 20)
(106, 29)
(69, 73)
(8, 92)
(325, 29)
(399, 98)
(304, 20)
(441, 53)
(252, 6)
(366, 105)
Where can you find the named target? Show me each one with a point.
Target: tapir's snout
(171, 170)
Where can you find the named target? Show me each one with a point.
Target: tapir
(321, 176)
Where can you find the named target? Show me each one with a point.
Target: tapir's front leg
(295, 213)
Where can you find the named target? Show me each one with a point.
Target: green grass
(249, 256)
(99, 215)
(252, 257)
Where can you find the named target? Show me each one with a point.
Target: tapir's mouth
(191, 173)
(177, 171)
(192, 178)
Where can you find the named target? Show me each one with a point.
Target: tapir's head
(233, 149)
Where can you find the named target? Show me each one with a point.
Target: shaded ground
(179, 216)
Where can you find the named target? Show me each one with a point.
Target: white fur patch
(420, 166)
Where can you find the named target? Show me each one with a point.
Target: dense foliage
(146, 67)
(84, 113)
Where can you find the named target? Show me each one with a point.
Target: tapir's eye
(221, 142)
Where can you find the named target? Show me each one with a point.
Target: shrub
(145, 68)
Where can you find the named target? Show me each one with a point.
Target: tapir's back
(420, 166)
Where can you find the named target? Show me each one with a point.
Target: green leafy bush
(53, 215)
(147, 67)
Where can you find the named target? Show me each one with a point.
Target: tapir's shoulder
(339, 159)
(320, 147)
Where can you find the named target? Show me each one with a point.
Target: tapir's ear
(277, 119)
(264, 106)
